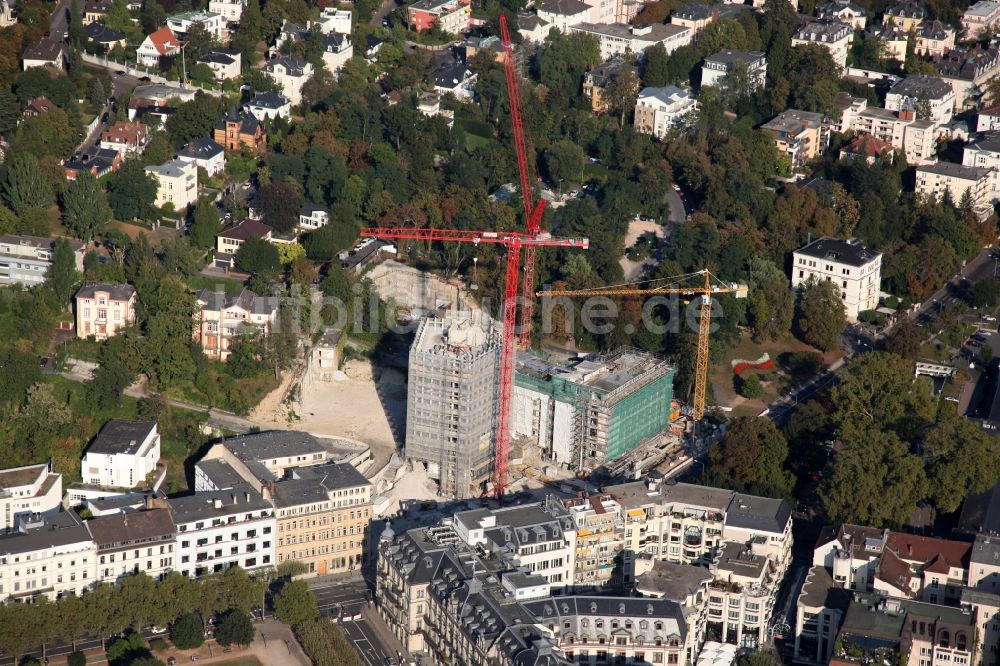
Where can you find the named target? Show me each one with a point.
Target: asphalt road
(367, 643)
(341, 599)
(54, 651)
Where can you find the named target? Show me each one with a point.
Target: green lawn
(477, 132)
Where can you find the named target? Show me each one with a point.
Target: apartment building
(988, 119)
(600, 531)
(451, 16)
(679, 523)
(176, 184)
(451, 400)
(204, 154)
(985, 154)
(333, 20)
(133, 542)
(540, 538)
(834, 36)
(126, 137)
(968, 70)
(984, 563)
(981, 17)
(854, 269)
(921, 577)
(230, 10)
(742, 594)
(28, 490)
(659, 110)
(592, 411)
(985, 608)
(51, 555)
(322, 508)
(916, 138)
(904, 632)
(291, 74)
(851, 554)
(934, 39)
(26, 260)
(929, 97)
(337, 50)
(456, 603)
(122, 455)
(932, 570)
(617, 39)
(597, 79)
(934, 180)
(685, 584)
(844, 11)
(799, 135)
(561, 14)
(212, 23)
(223, 317)
(907, 15)
(718, 66)
(217, 530)
(103, 309)
(697, 17)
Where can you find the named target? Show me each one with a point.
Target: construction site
(451, 400)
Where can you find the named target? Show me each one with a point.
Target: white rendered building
(855, 270)
(218, 530)
(27, 490)
(122, 454)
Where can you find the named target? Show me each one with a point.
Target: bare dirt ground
(368, 405)
(636, 228)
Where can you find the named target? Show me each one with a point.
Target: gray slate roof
(119, 436)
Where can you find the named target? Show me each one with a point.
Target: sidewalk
(378, 625)
(274, 645)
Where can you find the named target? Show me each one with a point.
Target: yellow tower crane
(709, 286)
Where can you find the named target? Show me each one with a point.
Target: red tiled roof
(869, 146)
(914, 548)
(129, 133)
(893, 570)
(40, 105)
(164, 41)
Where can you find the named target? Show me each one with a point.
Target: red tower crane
(513, 241)
(532, 210)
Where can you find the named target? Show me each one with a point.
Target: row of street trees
(139, 601)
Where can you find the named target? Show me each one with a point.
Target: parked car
(156, 631)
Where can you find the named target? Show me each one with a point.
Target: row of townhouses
(916, 600)
(644, 572)
(259, 500)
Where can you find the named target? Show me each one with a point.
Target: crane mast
(532, 210)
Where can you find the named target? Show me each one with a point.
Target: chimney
(125, 520)
(217, 503)
(247, 496)
(906, 114)
(234, 498)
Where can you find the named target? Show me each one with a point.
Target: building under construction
(452, 400)
(589, 412)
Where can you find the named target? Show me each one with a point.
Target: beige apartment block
(103, 309)
(323, 508)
